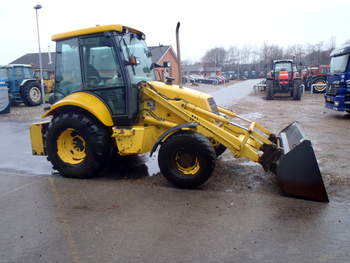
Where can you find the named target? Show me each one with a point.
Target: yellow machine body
(37, 131)
(85, 101)
(163, 107)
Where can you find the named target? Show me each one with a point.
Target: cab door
(103, 73)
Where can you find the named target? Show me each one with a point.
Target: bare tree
(215, 57)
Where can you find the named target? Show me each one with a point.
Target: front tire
(31, 93)
(297, 91)
(269, 90)
(77, 145)
(187, 159)
(219, 149)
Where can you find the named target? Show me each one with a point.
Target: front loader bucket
(297, 169)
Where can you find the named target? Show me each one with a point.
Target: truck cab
(337, 96)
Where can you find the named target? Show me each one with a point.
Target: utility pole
(37, 7)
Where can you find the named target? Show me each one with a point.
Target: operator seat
(92, 74)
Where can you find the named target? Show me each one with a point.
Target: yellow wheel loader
(106, 101)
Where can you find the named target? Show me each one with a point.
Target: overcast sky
(204, 24)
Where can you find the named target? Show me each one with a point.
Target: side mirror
(58, 78)
(148, 52)
(155, 65)
(133, 61)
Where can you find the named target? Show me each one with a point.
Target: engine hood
(195, 97)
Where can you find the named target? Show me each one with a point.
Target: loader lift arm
(242, 141)
(278, 154)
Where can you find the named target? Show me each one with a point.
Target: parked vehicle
(337, 95)
(214, 80)
(5, 104)
(283, 79)
(21, 84)
(220, 79)
(314, 78)
(48, 80)
(230, 75)
(253, 74)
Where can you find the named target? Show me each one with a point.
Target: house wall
(161, 73)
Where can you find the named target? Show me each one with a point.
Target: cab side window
(18, 73)
(101, 67)
(68, 73)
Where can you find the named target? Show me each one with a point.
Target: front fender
(26, 80)
(86, 101)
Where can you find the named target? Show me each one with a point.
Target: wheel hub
(35, 94)
(320, 89)
(71, 147)
(187, 163)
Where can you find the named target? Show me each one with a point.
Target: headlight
(336, 103)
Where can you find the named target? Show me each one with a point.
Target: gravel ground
(327, 130)
(23, 113)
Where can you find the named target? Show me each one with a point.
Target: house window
(168, 71)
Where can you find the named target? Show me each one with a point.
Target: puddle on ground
(253, 115)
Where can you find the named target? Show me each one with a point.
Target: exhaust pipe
(178, 54)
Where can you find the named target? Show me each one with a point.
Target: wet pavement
(53, 219)
(15, 151)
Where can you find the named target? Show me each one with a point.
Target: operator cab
(108, 61)
(340, 60)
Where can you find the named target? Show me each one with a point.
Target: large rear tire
(187, 159)
(269, 90)
(296, 92)
(31, 93)
(269, 93)
(77, 145)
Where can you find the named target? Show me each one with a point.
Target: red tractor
(314, 78)
(283, 78)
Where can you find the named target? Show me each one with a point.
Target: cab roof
(16, 65)
(283, 61)
(93, 30)
(341, 51)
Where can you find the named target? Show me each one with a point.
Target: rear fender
(25, 81)
(85, 101)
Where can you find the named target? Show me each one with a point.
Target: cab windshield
(339, 63)
(135, 49)
(283, 66)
